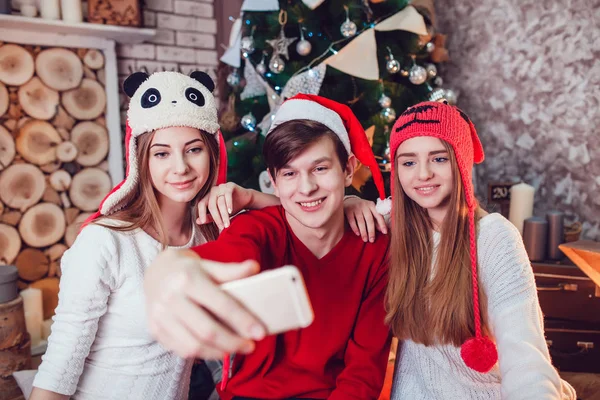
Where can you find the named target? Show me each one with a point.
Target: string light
(330, 48)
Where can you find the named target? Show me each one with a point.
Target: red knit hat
(450, 124)
(342, 121)
(162, 100)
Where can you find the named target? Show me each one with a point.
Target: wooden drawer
(566, 293)
(574, 347)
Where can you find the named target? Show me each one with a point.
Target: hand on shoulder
(363, 218)
(221, 203)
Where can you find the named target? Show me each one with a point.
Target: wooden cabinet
(570, 302)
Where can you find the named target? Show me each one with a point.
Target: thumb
(225, 272)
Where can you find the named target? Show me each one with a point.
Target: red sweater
(343, 354)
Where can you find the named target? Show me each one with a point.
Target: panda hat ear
(204, 79)
(133, 82)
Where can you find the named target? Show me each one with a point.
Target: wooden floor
(587, 386)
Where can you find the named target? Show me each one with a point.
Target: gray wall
(528, 73)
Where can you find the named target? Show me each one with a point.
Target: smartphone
(277, 297)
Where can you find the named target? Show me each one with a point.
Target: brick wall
(185, 40)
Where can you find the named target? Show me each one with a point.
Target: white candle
(33, 322)
(32, 304)
(521, 204)
(71, 10)
(50, 9)
(46, 328)
(28, 8)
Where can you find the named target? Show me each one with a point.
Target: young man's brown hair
(291, 138)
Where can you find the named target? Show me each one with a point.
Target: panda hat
(162, 100)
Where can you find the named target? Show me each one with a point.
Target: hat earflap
(222, 172)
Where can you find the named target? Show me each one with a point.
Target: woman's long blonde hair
(431, 304)
(142, 210)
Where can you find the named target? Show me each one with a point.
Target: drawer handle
(561, 287)
(585, 345)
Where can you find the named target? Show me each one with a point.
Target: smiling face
(311, 186)
(179, 163)
(425, 174)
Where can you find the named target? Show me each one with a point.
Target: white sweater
(524, 369)
(100, 346)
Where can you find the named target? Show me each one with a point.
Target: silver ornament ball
(348, 29)
(451, 96)
(247, 44)
(431, 70)
(385, 101)
(417, 75)
(388, 114)
(430, 47)
(276, 65)
(438, 81)
(303, 47)
(248, 121)
(261, 68)
(233, 79)
(392, 66)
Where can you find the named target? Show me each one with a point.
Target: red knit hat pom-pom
(479, 354)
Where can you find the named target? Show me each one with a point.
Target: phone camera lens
(293, 279)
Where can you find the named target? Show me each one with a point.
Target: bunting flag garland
(260, 5)
(359, 57)
(232, 54)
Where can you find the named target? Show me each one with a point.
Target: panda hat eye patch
(194, 96)
(150, 98)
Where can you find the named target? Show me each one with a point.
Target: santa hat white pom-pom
(384, 207)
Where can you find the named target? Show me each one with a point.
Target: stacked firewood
(53, 157)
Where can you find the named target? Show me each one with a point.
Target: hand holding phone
(277, 297)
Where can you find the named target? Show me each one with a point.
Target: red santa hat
(342, 121)
(450, 124)
(162, 100)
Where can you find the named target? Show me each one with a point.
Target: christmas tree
(377, 56)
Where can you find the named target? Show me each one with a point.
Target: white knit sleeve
(515, 316)
(85, 285)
